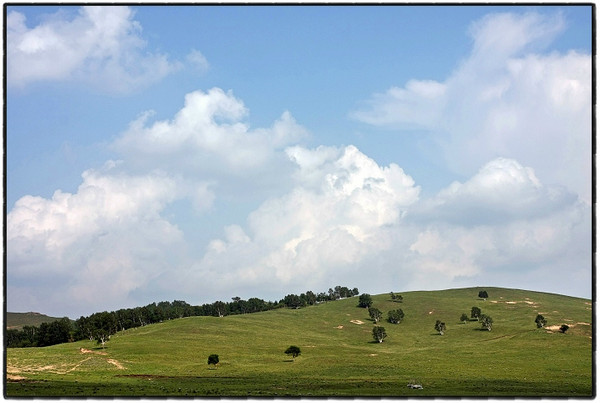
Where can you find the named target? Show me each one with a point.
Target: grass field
(339, 357)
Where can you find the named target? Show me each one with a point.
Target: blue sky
(198, 153)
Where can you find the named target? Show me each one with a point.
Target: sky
(199, 153)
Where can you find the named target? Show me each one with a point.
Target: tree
(293, 301)
(395, 316)
(365, 301)
(375, 314)
(379, 334)
(483, 294)
(294, 351)
(540, 321)
(396, 297)
(464, 318)
(213, 359)
(440, 327)
(486, 322)
(475, 312)
(563, 328)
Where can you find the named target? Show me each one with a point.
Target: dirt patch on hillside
(86, 351)
(357, 322)
(556, 328)
(339, 327)
(115, 363)
(14, 378)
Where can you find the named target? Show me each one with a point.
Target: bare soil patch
(86, 351)
(357, 322)
(115, 363)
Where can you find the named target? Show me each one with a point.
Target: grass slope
(338, 356)
(16, 320)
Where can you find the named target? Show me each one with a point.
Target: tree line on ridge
(101, 325)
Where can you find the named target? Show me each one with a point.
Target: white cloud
(501, 191)
(336, 216)
(196, 59)
(502, 220)
(100, 46)
(208, 133)
(98, 244)
(504, 100)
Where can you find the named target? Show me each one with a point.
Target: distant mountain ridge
(16, 320)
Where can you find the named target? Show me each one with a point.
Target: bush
(294, 351)
(395, 316)
(213, 359)
(379, 334)
(365, 301)
(540, 321)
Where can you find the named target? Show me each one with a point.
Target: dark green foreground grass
(338, 357)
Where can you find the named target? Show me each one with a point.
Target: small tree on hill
(440, 327)
(396, 297)
(379, 334)
(213, 359)
(294, 351)
(475, 312)
(483, 294)
(486, 322)
(375, 314)
(365, 301)
(563, 328)
(464, 318)
(395, 316)
(540, 321)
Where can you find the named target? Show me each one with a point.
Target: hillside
(15, 320)
(339, 357)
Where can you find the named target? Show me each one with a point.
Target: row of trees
(100, 326)
(310, 298)
(47, 334)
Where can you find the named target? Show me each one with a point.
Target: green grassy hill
(339, 357)
(15, 320)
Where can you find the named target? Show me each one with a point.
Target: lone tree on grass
(294, 351)
(213, 359)
(563, 328)
(395, 316)
(486, 322)
(475, 312)
(379, 334)
(365, 301)
(440, 327)
(483, 294)
(396, 297)
(464, 318)
(375, 314)
(540, 321)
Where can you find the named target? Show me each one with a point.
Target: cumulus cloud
(98, 244)
(349, 218)
(336, 215)
(100, 46)
(502, 190)
(115, 236)
(507, 98)
(208, 133)
(502, 220)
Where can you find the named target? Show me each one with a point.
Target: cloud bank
(516, 123)
(506, 99)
